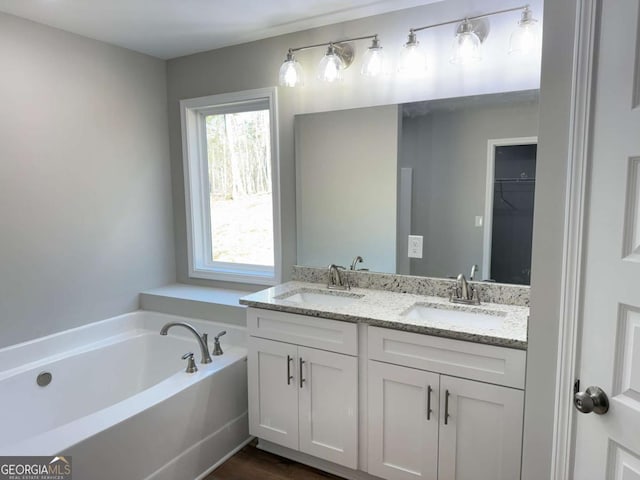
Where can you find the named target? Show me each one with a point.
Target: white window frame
(196, 184)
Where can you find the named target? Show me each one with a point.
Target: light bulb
(525, 39)
(290, 72)
(466, 45)
(330, 67)
(373, 60)
(413, 62)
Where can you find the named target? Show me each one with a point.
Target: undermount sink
(455, 317)
(320, 297)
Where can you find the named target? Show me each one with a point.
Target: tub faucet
(202, 339)
(336, 280)
(217, 349)
(462, 292)
(191, 363)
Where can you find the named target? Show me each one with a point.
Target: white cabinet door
(328, 396)
(403, 433)
(273, 391)
(480, 431)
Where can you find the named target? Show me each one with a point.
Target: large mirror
(432, 188)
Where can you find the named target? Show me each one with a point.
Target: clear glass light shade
(373, 62)
(466, 46)
(526, 38)
(413, 61)
(291, 73)
(330, 67)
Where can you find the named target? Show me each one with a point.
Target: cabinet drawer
(314, 332)
(487, 363)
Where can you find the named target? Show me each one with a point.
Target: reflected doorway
(511, 179)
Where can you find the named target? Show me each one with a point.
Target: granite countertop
(388, 309)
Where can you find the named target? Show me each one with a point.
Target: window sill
(215, 304)
(260, 280)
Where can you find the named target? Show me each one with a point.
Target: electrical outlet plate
(415, 246)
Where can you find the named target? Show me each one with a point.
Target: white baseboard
(225, 458)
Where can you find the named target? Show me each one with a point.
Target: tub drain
(44, 379)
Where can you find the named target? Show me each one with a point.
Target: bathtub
(120, 403)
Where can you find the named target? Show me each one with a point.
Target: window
(230, 163)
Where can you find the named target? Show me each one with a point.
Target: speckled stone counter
(389, 309)
(440, 287)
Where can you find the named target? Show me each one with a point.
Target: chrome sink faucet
(336, 280)
(462, 292)
(354, 264)
(202, 339)
(474, 270)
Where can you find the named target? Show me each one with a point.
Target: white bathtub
(120, 402)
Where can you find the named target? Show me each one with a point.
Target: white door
(328, 393)
(608, 446)
(273, 392)
(403, 422)
(480, 431)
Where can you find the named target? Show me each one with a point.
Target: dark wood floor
(251, 463)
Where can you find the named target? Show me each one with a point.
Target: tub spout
(202, 339)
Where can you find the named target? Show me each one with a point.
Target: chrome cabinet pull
(302, 380)
(446, 407)
(429, 390)
(289, 376)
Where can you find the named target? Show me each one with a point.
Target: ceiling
(173, 28)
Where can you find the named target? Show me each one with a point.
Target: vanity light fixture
(291, 72)
(373, 61)
(466, 45)
(468, 40)
(524, 39)
(413, 61)
(339, 56)
(331, 65)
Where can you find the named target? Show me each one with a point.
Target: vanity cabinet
(429, 425)
(302, 397)
(433, 408)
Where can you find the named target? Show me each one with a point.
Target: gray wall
(256, 65)
(346, 165)
(85, 195)
(447, 150)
